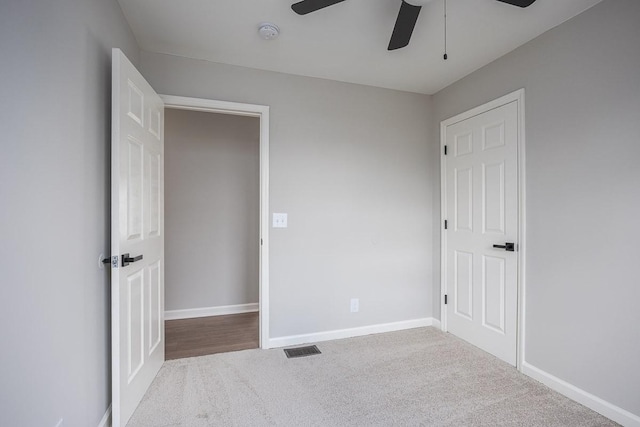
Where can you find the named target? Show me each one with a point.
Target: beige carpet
(409, 378)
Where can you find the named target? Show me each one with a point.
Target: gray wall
(212, 209)
(582, 82)
(357, 172)
(349, 164)
(55, 86)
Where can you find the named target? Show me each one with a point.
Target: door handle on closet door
(509, 247)
(126, 259)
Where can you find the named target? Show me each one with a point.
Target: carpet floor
(418, 377)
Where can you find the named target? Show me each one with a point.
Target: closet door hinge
(445, 298)
(445, 150)
(446, 224)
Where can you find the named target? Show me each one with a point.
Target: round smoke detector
(268, 31)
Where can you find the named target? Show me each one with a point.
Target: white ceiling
(347, 41)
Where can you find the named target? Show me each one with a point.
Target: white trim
(221, 310)
(491, 105)
(587, 399)
(436, 323)
(517, 96)
(213, 106)
(106, 418)
(443, 232)
(350, 333)
(262, 112)
(522, 234)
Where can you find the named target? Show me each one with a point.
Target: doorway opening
(216, 218)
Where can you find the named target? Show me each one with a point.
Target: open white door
(137, 237)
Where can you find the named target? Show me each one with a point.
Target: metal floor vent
(301, 351)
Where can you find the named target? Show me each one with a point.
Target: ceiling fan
(405, 22)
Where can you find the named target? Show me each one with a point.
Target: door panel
(464, 199)
(154, 162)
(493, 198)
(493, 135)
(135, 324)
(134, 184)
(464, 144)
(493, 292)
(481, 196)
(137, 222)
(464, 284)
(155, 307)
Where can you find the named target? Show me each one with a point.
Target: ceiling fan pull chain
(445, 31)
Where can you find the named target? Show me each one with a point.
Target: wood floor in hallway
(210, 335)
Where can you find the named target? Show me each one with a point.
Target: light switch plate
(279, 220)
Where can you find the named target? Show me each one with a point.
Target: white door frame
(517, 96)
(262, 112)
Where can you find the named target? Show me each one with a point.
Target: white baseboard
(436, 323)
(587, 399)
(210, 311)
(106, 419)
(349, 333)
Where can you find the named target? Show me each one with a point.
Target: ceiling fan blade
(307, 6)
(519, 3)
(405, 23)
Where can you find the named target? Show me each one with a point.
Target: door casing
(261, 112)
(517, 96)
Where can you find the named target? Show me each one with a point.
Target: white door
(481, 210)
(137, 229)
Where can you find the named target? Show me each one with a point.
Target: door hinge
(445, 150)
(261, 243)
(445, 298)
(446, 224)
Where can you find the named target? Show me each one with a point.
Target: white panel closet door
(137, 229)
(482, 211)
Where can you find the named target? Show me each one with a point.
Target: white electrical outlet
(279, 220)
(355, 305)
